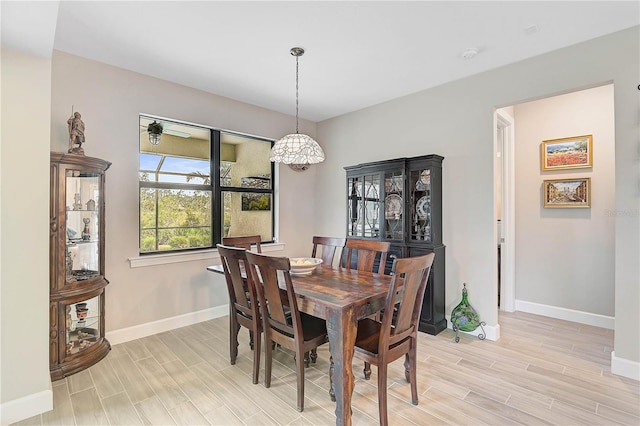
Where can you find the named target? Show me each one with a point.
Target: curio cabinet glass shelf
(400, 201)
(77, 281)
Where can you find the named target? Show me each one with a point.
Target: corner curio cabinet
(400, 201)
(76, 265)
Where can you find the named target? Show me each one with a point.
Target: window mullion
(216, 198)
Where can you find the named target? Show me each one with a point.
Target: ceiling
(358, 53)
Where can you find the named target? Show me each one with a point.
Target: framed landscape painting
(567, 153)
(567, 193)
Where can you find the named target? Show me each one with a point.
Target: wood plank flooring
(542, 371)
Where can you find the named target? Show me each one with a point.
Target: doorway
(574, 246)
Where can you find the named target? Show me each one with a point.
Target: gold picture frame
(567, 193)
(567, 153)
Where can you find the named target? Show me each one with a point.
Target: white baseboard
(28, 406)
(143, 330)
(580, 317)
(491, 332)
(625, 367)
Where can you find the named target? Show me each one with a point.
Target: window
(199, 185)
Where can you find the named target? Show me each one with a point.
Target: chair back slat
(367, 251)
(246, 242)
(325, 248)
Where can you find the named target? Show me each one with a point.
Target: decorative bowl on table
(304, 265)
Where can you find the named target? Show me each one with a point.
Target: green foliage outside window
(184, 219)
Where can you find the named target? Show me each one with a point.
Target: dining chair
(366, 252)
(325, 248)
(246, 242)
(282, 322)
(382, 342)
(243, 304)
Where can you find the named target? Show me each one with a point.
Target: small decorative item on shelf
(85, 232)
(69, 262)
(91, 205)
(465, 318)
(77, 203)
(68, 321)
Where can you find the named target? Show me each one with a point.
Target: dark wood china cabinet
(400, 201)
(76, 265)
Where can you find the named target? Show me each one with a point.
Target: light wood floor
(542, 371)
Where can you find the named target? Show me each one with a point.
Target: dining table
(341, 297)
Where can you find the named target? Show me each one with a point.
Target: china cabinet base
(76, 363)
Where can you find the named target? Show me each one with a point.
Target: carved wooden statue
(76, 134)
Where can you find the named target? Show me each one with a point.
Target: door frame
(504, 124)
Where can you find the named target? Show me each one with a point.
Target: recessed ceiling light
(469, 53)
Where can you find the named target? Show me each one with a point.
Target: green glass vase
(464, 317)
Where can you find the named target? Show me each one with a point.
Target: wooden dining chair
(366, 252)
(246, 242)
(382, 342)
(243, 304)
(282, 322)
(325, 248)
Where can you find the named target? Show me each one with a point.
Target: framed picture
(567, 193)
(252, 201)
(567, 153)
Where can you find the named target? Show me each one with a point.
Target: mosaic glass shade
(297, 148)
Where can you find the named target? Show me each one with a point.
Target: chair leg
(306, 360)
(367, 370)
(234, 329)
(407, 367)
(411, 358)
(300, 373)
(382, 393)
(256, 356)
(267, 361)
(251, 340)
(314, 355)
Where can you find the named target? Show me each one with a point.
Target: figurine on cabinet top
(76, 134)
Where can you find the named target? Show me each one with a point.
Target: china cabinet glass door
(394, 205)
(82, 325)
(364, 206)
(420, 187)
(82, 225)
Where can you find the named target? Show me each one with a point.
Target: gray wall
(456, 120)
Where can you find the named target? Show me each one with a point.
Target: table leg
(341, 328)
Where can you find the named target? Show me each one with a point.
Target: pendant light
(155, 132)
(297, 150)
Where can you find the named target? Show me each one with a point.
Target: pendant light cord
(297, 56)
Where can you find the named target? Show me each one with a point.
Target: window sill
(167, 258)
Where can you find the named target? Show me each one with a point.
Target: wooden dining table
(341, 297)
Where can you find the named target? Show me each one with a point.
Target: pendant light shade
(297, 150)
